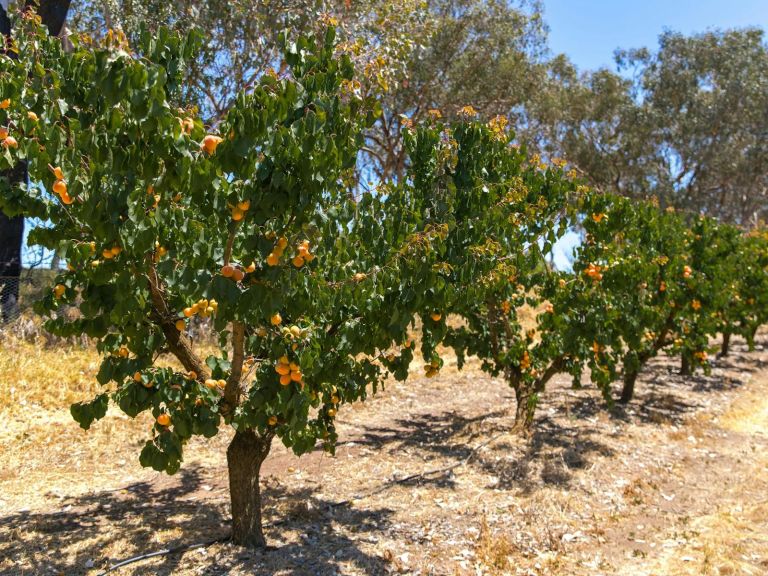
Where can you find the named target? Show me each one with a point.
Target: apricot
(276, 319)
(238, 275)
(58, 290)
(10, 142)
(298, 261)
(227, 271)
(273, 259)
(60, 187)
(285, 380)
(296, 376)
(32, 116)
(244, 205)
(180, 325)
(210, 143)
(436, 316)
(283, 369)
(272, 420)
(163, 419)
(5, 103)
(137, 376)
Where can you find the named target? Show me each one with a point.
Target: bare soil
(676, 483)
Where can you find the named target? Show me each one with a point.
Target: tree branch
(178, 343)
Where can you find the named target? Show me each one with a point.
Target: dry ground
(676, 484)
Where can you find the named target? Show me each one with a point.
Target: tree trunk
(685, 365)
(11, 235)
(525, 409)
(53, 14)
(628, 390)
(725, 348)
(751, 337)
(245, 455)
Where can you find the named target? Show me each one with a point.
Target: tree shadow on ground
(546, 457)
(147, 518)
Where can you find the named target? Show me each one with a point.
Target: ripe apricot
(210, 383)
(298, 261)
(221, 383)
(238, 275)
(210, 143)
(272, 420)
(60, 187)
(237, 214)
(283, 369)
(285, 380)
(137, 376)
(5, 103)
(163, 419)
(58, 290)
(4, 133)
(116, 250)
(436, 316)
(273, 259)
(282, 243)
(276, 319)
(107, 254)
(32, 116)
(10, 142)
(244, 205)
(296, 376)
(227, 271)
(181, 325)
(251, 268)
(123, 352)
(189, 312)
(331, 412)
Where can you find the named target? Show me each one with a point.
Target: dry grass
(591, 492)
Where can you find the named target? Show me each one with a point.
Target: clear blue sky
(589, 31)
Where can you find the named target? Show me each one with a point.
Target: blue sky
(589, 31)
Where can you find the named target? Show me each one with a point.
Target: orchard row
(313, 283)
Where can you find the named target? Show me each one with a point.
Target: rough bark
(524, 411)
(245, 455)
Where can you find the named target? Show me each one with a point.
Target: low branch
(178, 343)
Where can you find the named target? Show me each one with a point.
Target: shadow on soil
(148, 519)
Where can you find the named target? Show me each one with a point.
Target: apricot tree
(250, 224)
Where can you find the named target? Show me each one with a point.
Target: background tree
(53, 13)
(685, 123)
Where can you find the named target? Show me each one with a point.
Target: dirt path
(675, 484)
